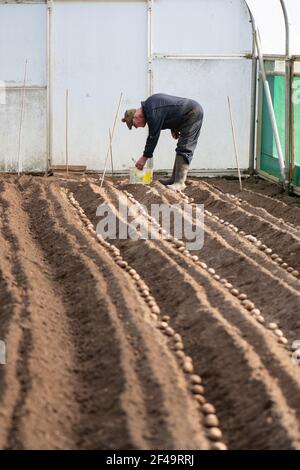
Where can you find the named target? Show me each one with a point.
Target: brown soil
(87, 369)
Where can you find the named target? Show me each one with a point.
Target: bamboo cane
(235, 144)
(67, 131)
(110, 143)
(111, 153)
(21, 118)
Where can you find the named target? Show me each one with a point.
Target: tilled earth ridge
(87, 368)
(252, 382)
(262, 194)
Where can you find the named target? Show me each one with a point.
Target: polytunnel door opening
(269, 155)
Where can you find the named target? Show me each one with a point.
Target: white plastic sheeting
(211, 30)
(23, 30)
(293, 7)
(216, 80)
(269, 19)
(97, 63)
(100, 49)
(201, 27)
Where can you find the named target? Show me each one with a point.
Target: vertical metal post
(253, 97)
(292, 148)
(49, 85)
(149, 47)
(258, 117)
(288, 91)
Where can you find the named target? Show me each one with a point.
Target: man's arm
(155, 122)
(151, 144)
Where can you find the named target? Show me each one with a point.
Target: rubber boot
(181, 171)
(171, 180)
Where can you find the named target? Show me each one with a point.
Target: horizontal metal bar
(216, 173)
(275, 74)
(23, 2)
(274, 57)
(43, 2)
(20, 87)
(202, 56)
(192, 173)
(292, 58)
(267, 177)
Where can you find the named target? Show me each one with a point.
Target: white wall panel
(201, 27)
(293, 8)
(34, 135)
(99, 51)
(209, 82)
(23, 35)
(273, 32)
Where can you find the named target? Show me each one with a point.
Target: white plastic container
(142, 177)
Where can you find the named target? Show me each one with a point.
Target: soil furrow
(272, 354)
(96, 361)
(156, 396)
(247, 269)
(39, 411)
(160, 290)
(255, 210)
(286, 244)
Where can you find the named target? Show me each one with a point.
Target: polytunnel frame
(254, 126)
(150, 57)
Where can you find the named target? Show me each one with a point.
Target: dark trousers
(189, 133)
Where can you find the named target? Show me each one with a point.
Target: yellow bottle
(148, 172)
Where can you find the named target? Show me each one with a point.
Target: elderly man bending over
(183, 117)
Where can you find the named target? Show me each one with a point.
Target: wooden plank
(74, 168)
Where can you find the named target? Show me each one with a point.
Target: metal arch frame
(288, 97)
(287, 27)
(253, 96)
(288, 92)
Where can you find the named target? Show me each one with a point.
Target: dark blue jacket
(164, 112)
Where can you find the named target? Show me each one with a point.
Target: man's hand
(141, 163)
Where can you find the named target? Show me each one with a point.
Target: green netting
(297, 132)
(269, 155)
